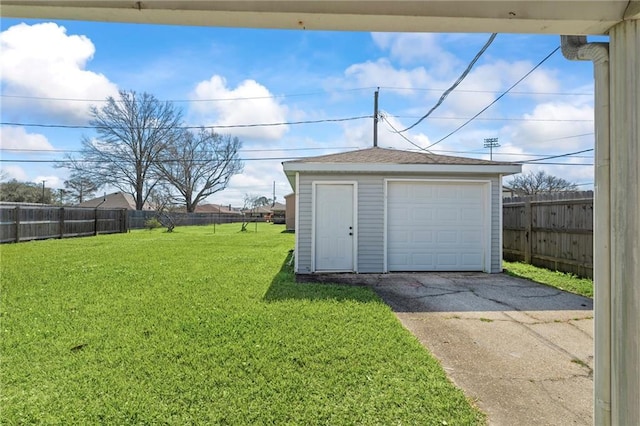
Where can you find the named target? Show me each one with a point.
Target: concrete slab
(523, 352)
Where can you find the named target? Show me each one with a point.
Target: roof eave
(504, 169)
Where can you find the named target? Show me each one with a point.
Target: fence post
(527, 230)
(61, 222)
(95, 222)
(123, 220)
(17, 224)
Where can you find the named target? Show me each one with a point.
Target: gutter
(576, 48)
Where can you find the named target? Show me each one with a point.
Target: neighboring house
(290, 213)
(116, 200)
(278, 213)
(508, 192)
(217, 208)
(382, 210)
(259, 212)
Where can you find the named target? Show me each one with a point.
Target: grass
(195, 327)
(561, 280)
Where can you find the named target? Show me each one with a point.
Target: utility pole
(375, 118)
(491, 143)
(43, 191)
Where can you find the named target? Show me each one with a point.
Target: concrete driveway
(523, 352)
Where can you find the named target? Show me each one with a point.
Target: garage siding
(303, 233)
(496, 224)
(371, 205)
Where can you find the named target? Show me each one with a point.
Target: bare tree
(79, 187)
(164, 204)
(536, 183)
(251, 202)
(132, 131)
(199, 164)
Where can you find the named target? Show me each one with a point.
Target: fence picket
(554, 231)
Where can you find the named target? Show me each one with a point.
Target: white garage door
(437, 226)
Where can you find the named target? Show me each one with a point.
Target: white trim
(501, 230)
(385, 191)
(487, 206)
(296, 224)
(354, 184)
(402, 168)
(488, 211)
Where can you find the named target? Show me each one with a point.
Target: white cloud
(249, 103)
(18, 138)
(409, 48)
(542, 136)
(42, 61)
(383, 73)
(51, 181)
(14, 172)
(485, 83)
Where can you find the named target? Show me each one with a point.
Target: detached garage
(381, 210)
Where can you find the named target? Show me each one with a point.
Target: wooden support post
(528, 237)
(95, 222)
(61, 221)
(17, 224)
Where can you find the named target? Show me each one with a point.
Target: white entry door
(334, 227)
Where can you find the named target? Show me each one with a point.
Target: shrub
(152, 223)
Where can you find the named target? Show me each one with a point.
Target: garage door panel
(436, 226)
(473, 236)
(470, 259)
(447, 237)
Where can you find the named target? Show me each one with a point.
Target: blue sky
(53, 71)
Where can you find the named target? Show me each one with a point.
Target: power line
(241, 150)
(247, 98)
(162, 161)
(382, 115)
(556, 156)
(456, 83)
(499, 97)
(291, 95)
(501, 119)
(227, 126)
(563, 164)
(418, 89)
(515, 154)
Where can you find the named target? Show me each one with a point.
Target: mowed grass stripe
(201, 327)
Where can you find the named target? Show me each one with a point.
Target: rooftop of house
(394, 156)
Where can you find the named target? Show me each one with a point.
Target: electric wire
(456, 83)
(221, 126)
(556, 156)
(292, 95)
(383, 117)
(503, 119)
(243, 98)
(499, 97)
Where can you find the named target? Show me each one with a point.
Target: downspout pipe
(576, 48)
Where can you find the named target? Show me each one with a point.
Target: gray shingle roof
(392, 156)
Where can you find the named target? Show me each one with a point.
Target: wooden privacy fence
(554, 231)
(26, 223)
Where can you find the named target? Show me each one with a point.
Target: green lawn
(201, 327)
(561, 280)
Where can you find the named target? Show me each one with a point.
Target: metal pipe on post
(375, 118)
(577, 48)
